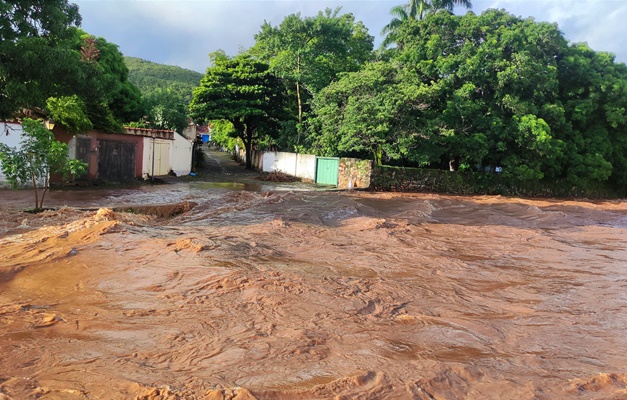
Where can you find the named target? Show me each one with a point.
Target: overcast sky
(184, 32)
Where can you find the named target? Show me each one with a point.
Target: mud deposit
(317, 295)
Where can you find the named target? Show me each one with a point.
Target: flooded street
(256, 290)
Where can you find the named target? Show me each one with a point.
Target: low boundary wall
(353, 173)
(294, 164)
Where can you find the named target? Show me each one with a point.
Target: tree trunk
(300, 103)
(453, 164)
(36, 193)
(46, 188)
(300, 111)
(248, 142)
(378, 156)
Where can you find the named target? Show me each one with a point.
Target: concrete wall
(299, 165)
(353, 173)
(181, 155)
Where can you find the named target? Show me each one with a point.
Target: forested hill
(149, 76)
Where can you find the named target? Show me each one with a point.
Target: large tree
(43, 54)
(244, 92)
(309, 52)
(34, 62)
(103, 83)
(512, 93)
(497, 81)
(379, 110)
(593, 91)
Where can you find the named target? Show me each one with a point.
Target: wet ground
(280, 291)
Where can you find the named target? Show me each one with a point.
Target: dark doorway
(116, 161)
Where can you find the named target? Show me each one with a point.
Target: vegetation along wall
(400, 179)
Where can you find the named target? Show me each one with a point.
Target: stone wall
(399, 179)
(354, 173)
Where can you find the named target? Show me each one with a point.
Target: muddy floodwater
(279, 292)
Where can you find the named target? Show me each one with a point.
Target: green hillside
(149, 76)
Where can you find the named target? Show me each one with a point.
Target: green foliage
(62, 64)
(165, 110)
(309, 53)
(495, 92)
(142, 123)
(108, 94)
(69, 111)
(167, 91)
(415, 9)
(243, 92)
(223, 134)
(150, 77)
(39, 156)
(91, 69)
(496, 82)
(35, 63)
(218, 55)
(313, 50)
(377, 110)
(33, 18)
(593, 91)
(43, 55)
(475, 183)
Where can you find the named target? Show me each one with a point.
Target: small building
(170, 155)
(118, 157)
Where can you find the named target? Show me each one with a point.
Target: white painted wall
(268, 161)
(162, 157)
(10, 134)
(300, 165)
(181, 155)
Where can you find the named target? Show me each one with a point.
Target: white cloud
(184, 32)
(600, 23)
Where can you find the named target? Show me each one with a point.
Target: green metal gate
(327, 170)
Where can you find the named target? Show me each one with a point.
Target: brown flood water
(316, 295)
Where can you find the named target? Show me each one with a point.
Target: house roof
(148, 132)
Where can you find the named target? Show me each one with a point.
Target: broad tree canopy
(244, 92)
(33, 64)
(498, 92)
(379, 110)
(309, 53)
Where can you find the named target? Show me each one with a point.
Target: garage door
(116, 160)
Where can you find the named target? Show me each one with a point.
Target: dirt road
(277, 292)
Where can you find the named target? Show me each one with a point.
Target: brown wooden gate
(116, 161)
